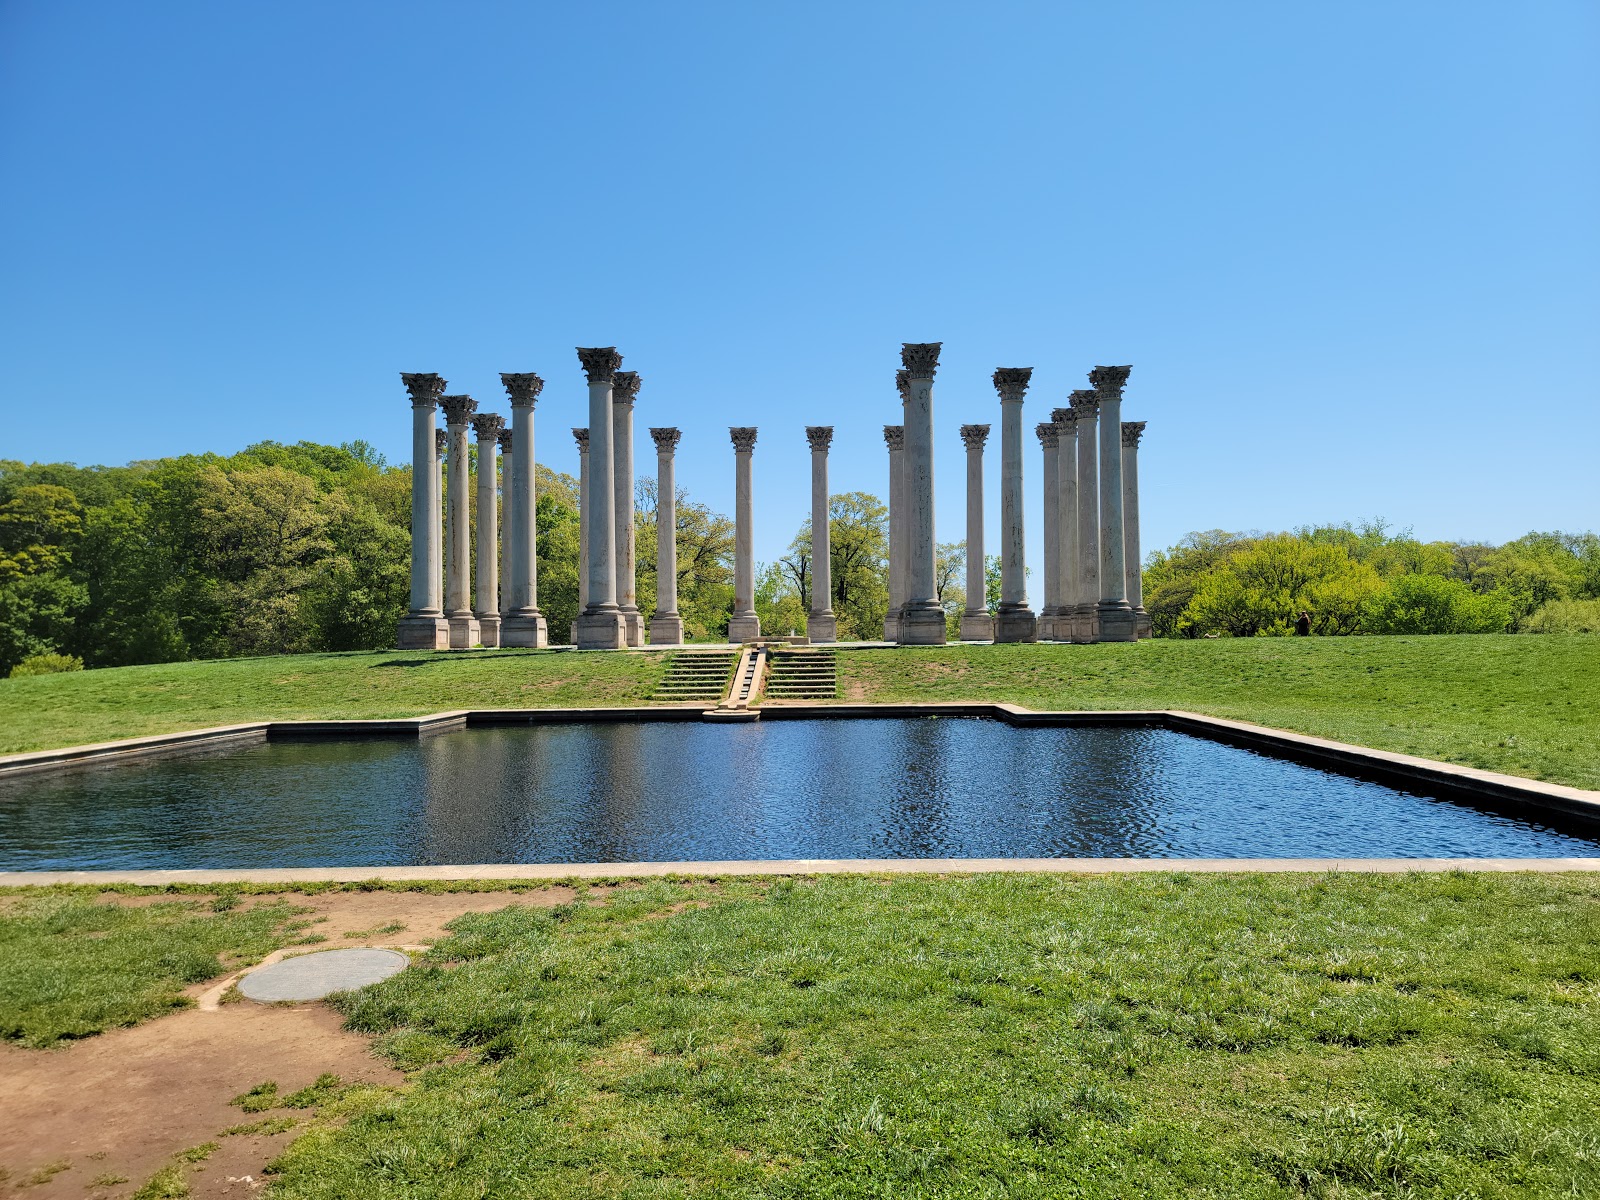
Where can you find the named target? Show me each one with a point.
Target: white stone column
(922, 620)
(1085, 608)
(600, 625)
(507, 515)
(1067, 523)
(666, 626)
(625, 388)
(1117, 620)
(464, 632)
(1015, 621)
(581, 436)
(743, 624)
(821, 624)
(522, 624)
(1050, 612)
(486, 428)
(1133, 560)
(894, 436)
(976, 623)
(424, 626)
(441, 523)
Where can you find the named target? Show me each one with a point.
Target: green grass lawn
(1000, 1035)
(1524, 705)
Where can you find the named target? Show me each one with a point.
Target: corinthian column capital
(1132, 431)
(1064, 417)
(1012, 382)
(625, 387)
(1109, 381)
(1048, 433)
(973, 437)
(666, 440)
(457, 409)
(920, 359)
(820, 437)
(506, 441)
(894, 436)
(441, 442)
(581, 436)
(744, 437)
(902, 384)
(523, 389)
(600, 363)
(1085, 403)
(487, 426)
(425, 388)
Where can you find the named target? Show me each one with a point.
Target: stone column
(666, 626)
(486, 595)
(600, 625)
(1067, 522)
(521, 623)
(464, 632)
(922, 620)
(821, 624)
(1117, 621)
(424, 626)
(441, 531)
(894, 437)
(581, 436)
(1050, 612)
(1133, 560)
(507, 515)
(976, 623)
(624, 389)
(743, 625)
(1085, 606)
(1015, 621)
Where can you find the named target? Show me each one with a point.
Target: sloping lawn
(1516, 703)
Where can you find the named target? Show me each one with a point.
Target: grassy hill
(1525, 705)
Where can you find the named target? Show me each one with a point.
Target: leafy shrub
(1565, 616)
(46, 664)
(1434, 604)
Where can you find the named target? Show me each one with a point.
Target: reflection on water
(920, 788)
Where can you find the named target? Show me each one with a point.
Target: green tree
(1433, 604)
(1260, 588)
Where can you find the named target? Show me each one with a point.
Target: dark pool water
(924, 788)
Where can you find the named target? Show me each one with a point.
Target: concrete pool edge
(1468, 783)
(558, 872)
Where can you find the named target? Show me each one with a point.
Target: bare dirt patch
(122, 1104)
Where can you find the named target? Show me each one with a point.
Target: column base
(977, 627)
(633, 624)
(1053, 625)
(822, 627)
(464, 632)
(666, 629)
(489, 631)
(744, 627)
(422, 633)
(525, 629)
(891, 626)
(1085, 624)
(1016, 625)
(923, 627)
(1117, 622)
(1142, 624)
(603, 630)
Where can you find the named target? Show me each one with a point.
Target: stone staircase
(803, 675)
(696, 677)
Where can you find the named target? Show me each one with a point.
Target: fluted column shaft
(976, 623)
(1085, 617)
(1133, 558)
(821, 625)
(743, 624)
(894, 437)
(486, 593)
(1051, 612)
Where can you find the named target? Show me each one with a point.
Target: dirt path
(117, 1107)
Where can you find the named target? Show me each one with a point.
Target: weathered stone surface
(313, 976)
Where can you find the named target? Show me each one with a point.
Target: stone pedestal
(976, 623)
(624, 390)
(1133, 560)
(1085, 608)
(600, 625)
(1015, 622)
(1116, 617)
(521, 622)
(743, 625)
(894, 436)
(424, 626)
(666, 626)
(821, 624)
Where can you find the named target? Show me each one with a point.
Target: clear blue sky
(1353, 251)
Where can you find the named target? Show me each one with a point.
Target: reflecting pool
(915, 788)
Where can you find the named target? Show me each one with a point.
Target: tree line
(287, 549)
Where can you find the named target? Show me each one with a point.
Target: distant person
(1302, 627)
